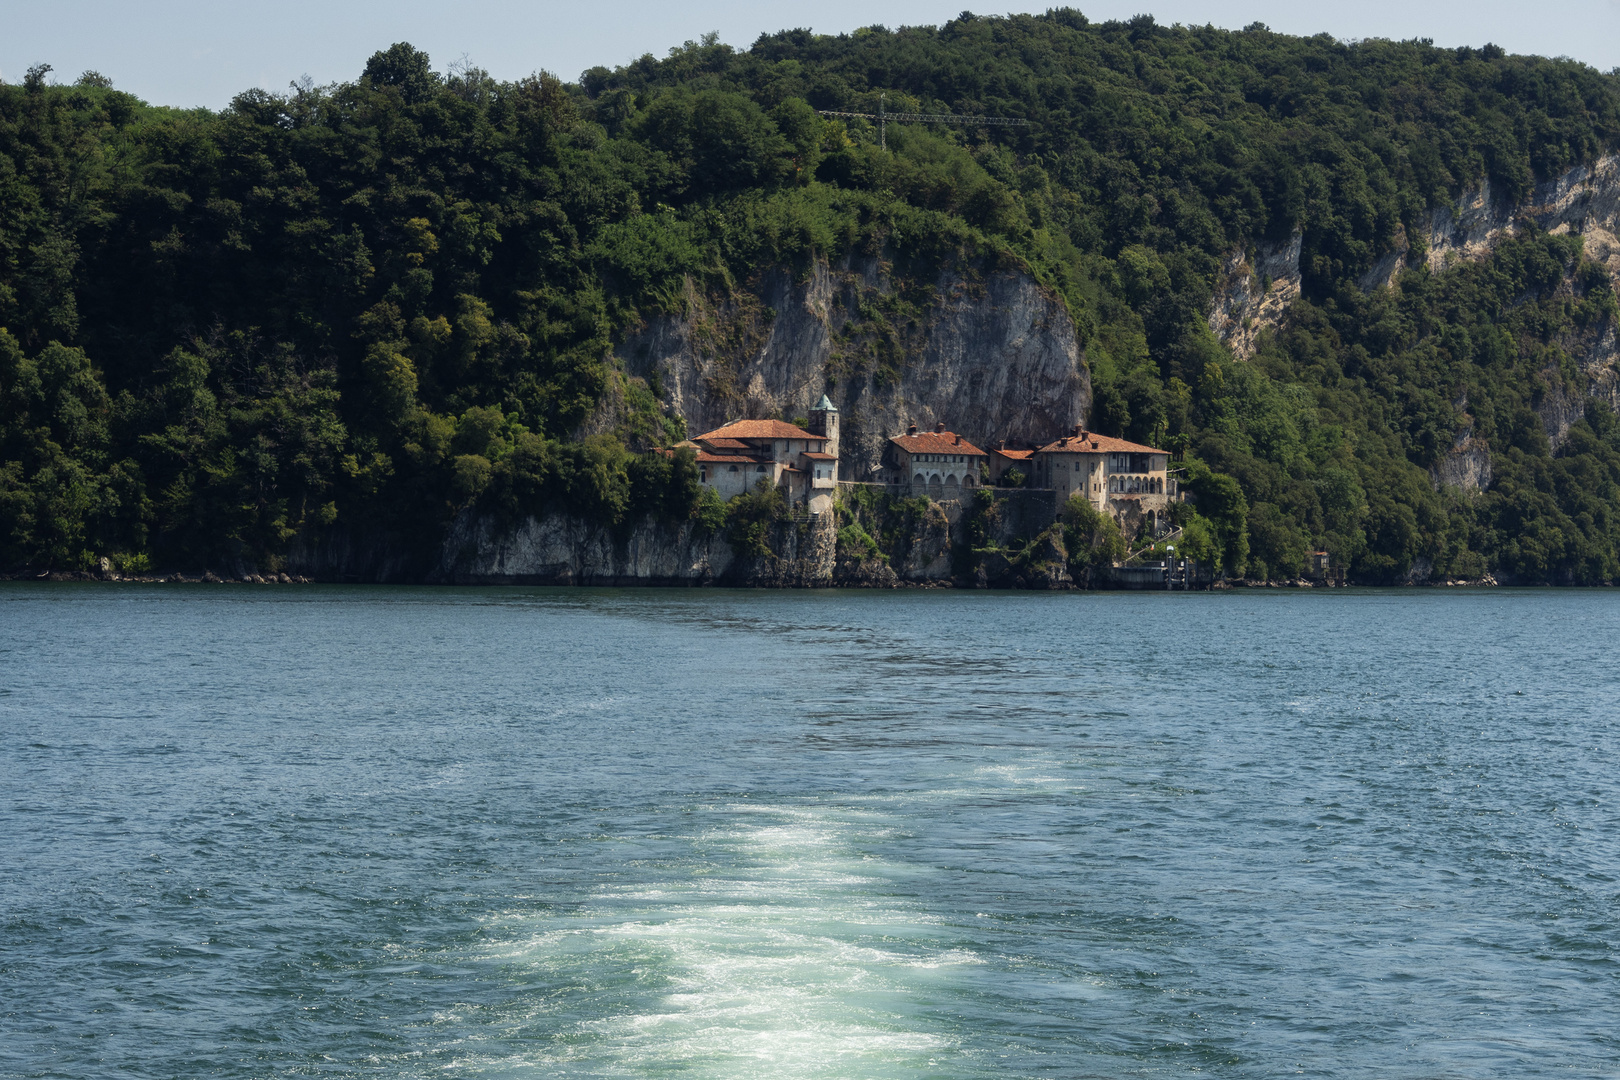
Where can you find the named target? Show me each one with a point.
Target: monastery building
(734, 458)
(1004, 461)
(939, 463)
(1117, 476)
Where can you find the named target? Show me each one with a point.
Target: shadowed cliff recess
(1363, 293)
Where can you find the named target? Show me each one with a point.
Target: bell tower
(824, 422)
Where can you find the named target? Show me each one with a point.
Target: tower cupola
(824, 422)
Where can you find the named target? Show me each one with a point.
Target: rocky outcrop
(1421, 572)
(1042, 564)
(927, 551)
(1467, 464)
(1597, 364)
(993, 356)
(1585, 201)
(1254, 292)
(1015, 515)
(349, 555)
(1559, 407)
(1256, 289)
(561, 550)
(856, 572)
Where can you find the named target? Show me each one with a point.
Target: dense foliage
(373, 304)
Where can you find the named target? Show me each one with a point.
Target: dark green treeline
(371, 305)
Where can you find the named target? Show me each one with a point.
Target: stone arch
(936, 486)
(919, 482)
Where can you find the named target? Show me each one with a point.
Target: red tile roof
(817, 455)
(1091, 443)
(759, 429)
(707, 458)
(727, 444)
(1016, 455)
(936, 442)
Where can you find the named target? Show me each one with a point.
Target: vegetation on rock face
(1091, 537)
(749, 518)
(375, 304)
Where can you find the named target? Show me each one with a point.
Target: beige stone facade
(1003, 460)
(939, 463)
(1117, 476)
(804, 464)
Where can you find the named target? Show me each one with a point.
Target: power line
(884, 118)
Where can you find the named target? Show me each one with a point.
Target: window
(734, 468)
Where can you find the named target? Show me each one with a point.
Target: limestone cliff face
(349, 555)
(1466, 465)
(560, 550)
(993, 358)
(925, 543)
(1254, 294)
(1597, 359)
(566, 551)
(1585, 201)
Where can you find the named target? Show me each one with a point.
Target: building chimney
(1001, 444)
(1063, 441)
(939, 428)
(912, 430)
(959, 440)
(1079, 430)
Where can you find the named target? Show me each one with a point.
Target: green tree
(750, 516)
(1091, 537)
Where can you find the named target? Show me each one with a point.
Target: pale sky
(190, 52)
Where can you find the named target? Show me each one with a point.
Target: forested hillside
(370, 306)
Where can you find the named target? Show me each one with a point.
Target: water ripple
(571, 833)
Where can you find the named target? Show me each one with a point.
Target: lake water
(253, 831)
